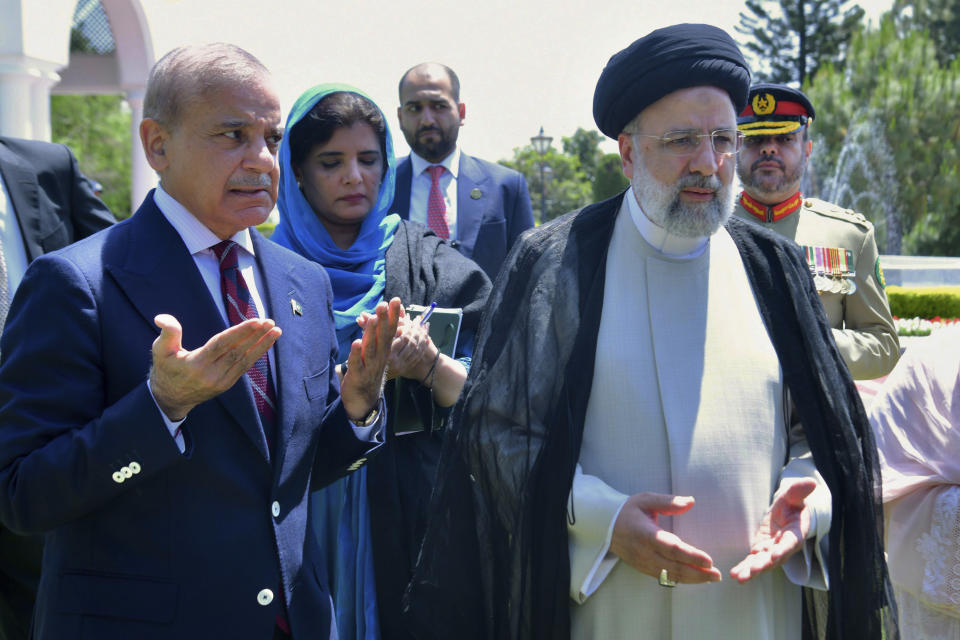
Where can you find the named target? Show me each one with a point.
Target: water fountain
(865, 180)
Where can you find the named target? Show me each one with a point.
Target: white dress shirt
(14, 250)
(199, 239)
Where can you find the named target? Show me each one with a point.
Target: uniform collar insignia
(774, 213)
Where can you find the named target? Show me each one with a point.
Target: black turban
(663, 61)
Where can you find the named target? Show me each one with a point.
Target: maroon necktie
(436, 207)
(240, 307)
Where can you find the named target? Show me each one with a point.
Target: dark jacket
(493, 209)
(420, 269)
(141, 540)
(53, 205)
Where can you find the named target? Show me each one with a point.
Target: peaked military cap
(774, 109)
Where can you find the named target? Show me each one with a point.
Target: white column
(142, 176)
(25, 97)
(40, 94)
(16, 100)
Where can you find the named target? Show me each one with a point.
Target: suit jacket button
(134, 467)
(265, 597)
(126, 472)
(275, 509)
(118, 477)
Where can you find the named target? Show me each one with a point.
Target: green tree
(97, 130)
(585, 146)
(941, 18)
(573, 178)
(792, 39)
(602, 171)
(887, 138)
(608, 178)
(79, 43)
(565, 185)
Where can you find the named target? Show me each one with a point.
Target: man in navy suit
(45, 204)
(154, 422)
(479, 206)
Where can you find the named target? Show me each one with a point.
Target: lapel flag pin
(475, 193)
(295, 306)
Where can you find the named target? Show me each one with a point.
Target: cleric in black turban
(663, 61)
(495, 562)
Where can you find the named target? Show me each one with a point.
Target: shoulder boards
(831, 210)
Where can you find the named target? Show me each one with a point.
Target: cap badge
(764, 104)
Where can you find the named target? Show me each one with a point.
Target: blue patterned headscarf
(357, 273)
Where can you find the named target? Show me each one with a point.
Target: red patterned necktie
(240, 307)
(436, 207)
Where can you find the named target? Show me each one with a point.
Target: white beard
(662, 204)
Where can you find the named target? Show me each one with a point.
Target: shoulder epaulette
(825, 208)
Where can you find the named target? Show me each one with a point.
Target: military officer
(840, 244)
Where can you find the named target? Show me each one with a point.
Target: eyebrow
(239, 123)
(694, 130)
(340, 153)
(233, 124)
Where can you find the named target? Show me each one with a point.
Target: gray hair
(190, 72)
(633, 127)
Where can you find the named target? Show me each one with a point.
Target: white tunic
(687, 399)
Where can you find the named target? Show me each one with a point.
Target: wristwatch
(370, 417)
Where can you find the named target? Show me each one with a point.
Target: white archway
(35, 61)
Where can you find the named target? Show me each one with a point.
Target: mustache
(700, 181)
(756, 164)
(429, 129)
(262, 180)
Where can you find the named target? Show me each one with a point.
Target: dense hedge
(924, 302)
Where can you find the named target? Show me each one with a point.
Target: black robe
(494, 562)
(420, 268)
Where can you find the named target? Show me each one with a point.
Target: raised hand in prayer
(413, 355)
(782, 531)
(640, 542)
(362, 384)
(182, 379)
(413, 352)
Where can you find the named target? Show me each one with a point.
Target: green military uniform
(840, 245)
(860, 314)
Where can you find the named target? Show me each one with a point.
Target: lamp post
(541, 144)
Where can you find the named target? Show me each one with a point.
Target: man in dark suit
(45, 204)
(479, 206)
(154, 423)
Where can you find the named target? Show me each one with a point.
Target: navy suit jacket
(53, 204)
(493, 209)
(193, 545)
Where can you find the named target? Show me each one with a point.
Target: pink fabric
(436, 207)
(869, 389)
(916, 417)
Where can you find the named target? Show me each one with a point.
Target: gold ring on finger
(665, 580)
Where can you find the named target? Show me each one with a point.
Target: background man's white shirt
(14, 251)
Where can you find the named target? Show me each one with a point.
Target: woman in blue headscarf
(336, 186)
